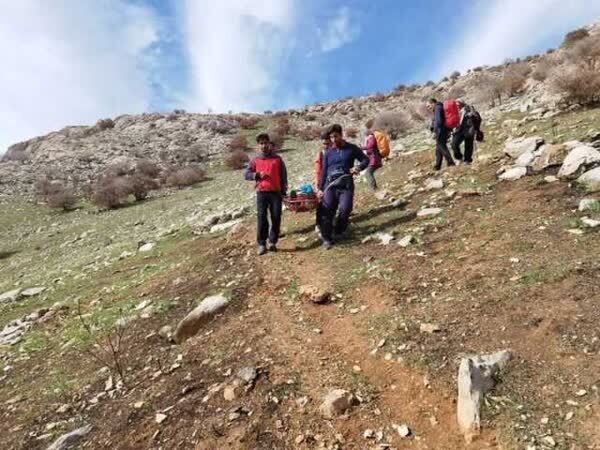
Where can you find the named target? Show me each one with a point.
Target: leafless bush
(110, 191)
(351, 133)
(456, 92)
(579, 84)
(454, 75)
(248, 122)
(309, 133)
(369, 124)
(541, 70)
(147, 168)
(118, 168)
(219, 126)
(140, 185)
(236, 160)
(279, 114)
(400, 88)
(105, 124)
(282, 126)
(378, 97)
(186, 176)
(574, 36)
(418, 111)
(512, 83)
(488, 89)
(585, 52)
(62, 197)
(393, 123)
(310, 117)
(238, 142)
(277, 139)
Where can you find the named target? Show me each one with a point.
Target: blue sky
(70, 62)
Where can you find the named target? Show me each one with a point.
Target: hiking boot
(261, 250)
(327, 245)
(271, 247)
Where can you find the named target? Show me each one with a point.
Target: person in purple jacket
(372, 152)
(336, 187)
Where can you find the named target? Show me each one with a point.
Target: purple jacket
(342, 159)
(372, 152)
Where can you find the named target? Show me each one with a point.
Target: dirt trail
(402, 396)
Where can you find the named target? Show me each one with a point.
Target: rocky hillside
(76, 155)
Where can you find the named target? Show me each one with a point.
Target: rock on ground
(513, 174)
(32, 291)
(516, 147)
(207, 308)
(578, 159)
(10, 296)
(406, 241)
(475, 379)
(336, 403)
(314, 294)
(589, 204)
(550, 156)
(429, 212)
(590, 180)
(68, 440)
(434, 183)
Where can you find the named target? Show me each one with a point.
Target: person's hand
(354, 171)
(320, 194)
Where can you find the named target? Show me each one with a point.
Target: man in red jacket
(268, 171)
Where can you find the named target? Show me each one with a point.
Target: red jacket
(272, 167)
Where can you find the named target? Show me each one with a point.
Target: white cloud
(339, 32)
(235, 49)
(70, 62)
(498, 29)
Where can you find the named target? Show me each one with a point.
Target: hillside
(500, 255)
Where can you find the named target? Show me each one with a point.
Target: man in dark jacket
(441, 134)
(268, 171)
(466, 132)
(336, 187)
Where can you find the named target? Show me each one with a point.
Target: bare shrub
(579, 84)
(105, 124)
(248, 122)
(418, 111)
(456, 92)
(236, 160)
(585, 52)
(277, 139)
(62, 198)
(488, 89)
(400, 88)
(282, 126)
(147, 168)
(186, 176)
(140, 185)
(378, 97)
(309, 133)
(43, 187)
(118, 169)
(393, 123)
(110, 191)
(238, 142)
(369, 124)
(310, 117)
(541, 70)
(351, 133)
(454, 75)
(574, 36)
(514, 78)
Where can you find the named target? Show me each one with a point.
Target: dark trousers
(458, 138)
(441, 149)
(335, 201)
(271, 202)
(370, 176)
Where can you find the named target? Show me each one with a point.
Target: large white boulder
(578, 159)
(590, 180)
(515, 147)
(513, 174)
(201, 314)
(475, 379)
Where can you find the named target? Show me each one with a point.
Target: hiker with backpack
(445, 117)
(269, 173)
(336, 186)
(372, 152)
(468, 131)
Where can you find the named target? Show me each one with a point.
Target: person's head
(431, 104)
(325, 141)
(264, 142)
(336, 135)
(461, 103)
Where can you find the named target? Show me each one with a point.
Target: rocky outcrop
(578, 160)
(517, 146)
(590, 180)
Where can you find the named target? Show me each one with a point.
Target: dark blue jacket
(342, 159)
(437, 125)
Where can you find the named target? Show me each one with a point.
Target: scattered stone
(550, 179)
(384, 238)
(382, 194)
(434, 183)
(32, 291)
(549, 441)
(569, 415)
(517, 146)
(429, 212)
(191, 324)
(166, 332)
(550, 156)
(581, 393)
(229, 393)
(406, 241)
(70, 439)
(148, 246)
(589, 204)
(160, 418)
(513, 174)
(575, 231)
(10, 296)
(429, 328)
(590, 180)
(314, 294)
(579, 158)
(369, 434)
(399, 203)
(336, 403)
(475, 379)
(590, 223)
(247, 375)
(402, 430)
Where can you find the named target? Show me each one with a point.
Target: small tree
(393, 123)
(105, 124)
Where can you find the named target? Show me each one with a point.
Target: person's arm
(362, 159)
(250, 173)
(323, 172)
(438, 121)
(284, 178)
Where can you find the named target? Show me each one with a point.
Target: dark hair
(433, 100)
(335, 128)
(263, 136)
(325, 135)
